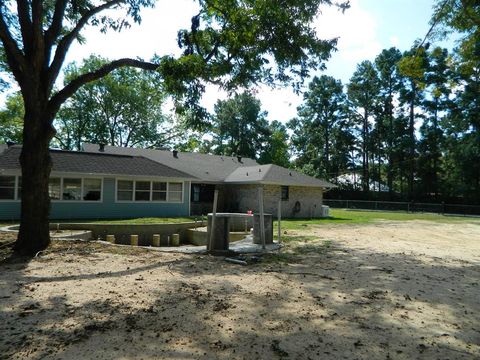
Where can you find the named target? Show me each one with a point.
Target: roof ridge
(234, 157)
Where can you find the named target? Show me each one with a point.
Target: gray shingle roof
(274, 175)
(99, 163)
(208, 168)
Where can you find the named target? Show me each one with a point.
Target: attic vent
(239, 158)
(175, 153)
(101, 147)
(259, 170)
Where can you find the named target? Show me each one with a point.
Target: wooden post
(111, 239)
(262, 219)
(214, 213)
(175, 240)
(279, 220)
(134, 240)
(156, 240)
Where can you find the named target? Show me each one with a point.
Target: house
(115, 182)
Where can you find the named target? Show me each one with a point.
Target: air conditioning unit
(325, 211)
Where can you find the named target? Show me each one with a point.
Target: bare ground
(391, 290)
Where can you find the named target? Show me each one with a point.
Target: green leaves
(238, 43)
(239, 126)
(11, 119)
(122, 109)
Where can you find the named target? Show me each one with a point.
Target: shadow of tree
(339, 303)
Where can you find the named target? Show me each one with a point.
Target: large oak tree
(230, 42)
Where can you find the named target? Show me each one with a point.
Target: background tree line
(405, 127)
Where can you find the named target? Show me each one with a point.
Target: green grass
(339, 216)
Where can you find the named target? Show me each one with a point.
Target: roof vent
(247, 173)
(239, 158)
(259, 170)
(175, 153)
(101, 147)
(290, 174)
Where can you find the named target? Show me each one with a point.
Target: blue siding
(9, 210)
(108, 208)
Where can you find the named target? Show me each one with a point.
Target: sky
(363, 31)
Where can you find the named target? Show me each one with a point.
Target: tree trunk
(365, 175)
(411, 174)
(36, 164)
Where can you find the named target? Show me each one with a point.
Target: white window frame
(15, 183)
(167, 201)
(182, 192)
(101, 189)
(82, 190)
(159, 191)
(61, 187)
(142, 191)
(17, 186)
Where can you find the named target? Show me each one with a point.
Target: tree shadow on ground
(325, 303)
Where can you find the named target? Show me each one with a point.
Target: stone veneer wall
(240, 198)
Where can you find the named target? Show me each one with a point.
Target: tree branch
(68, 39)
(15, 58)
(59, 98)
(25, 24)
(38, 46)
(56, 25)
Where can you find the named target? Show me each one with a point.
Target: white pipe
(214, 213)
(262, 219)
(279, 220)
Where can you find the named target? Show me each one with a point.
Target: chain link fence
(452, 209)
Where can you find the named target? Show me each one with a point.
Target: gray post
(279, 219)
(214, 213)
(262, 219)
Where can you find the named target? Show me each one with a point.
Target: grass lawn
(339, 216)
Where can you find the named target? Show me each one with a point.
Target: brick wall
(240, 198)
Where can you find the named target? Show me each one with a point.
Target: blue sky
(364, 30)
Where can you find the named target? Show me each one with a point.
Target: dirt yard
(391, 290)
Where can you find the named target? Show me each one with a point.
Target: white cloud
(356, 30)
(156, 34)
(394, 41)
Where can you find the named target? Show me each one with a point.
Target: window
(72, 189)
(142, 190)
(7, 187)
(92, 189)
(130, 190)
(125, 190)
(54, 188)
(196, 193)
(284, 193)
(159, 191)
(175, 192)
(19, 188)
